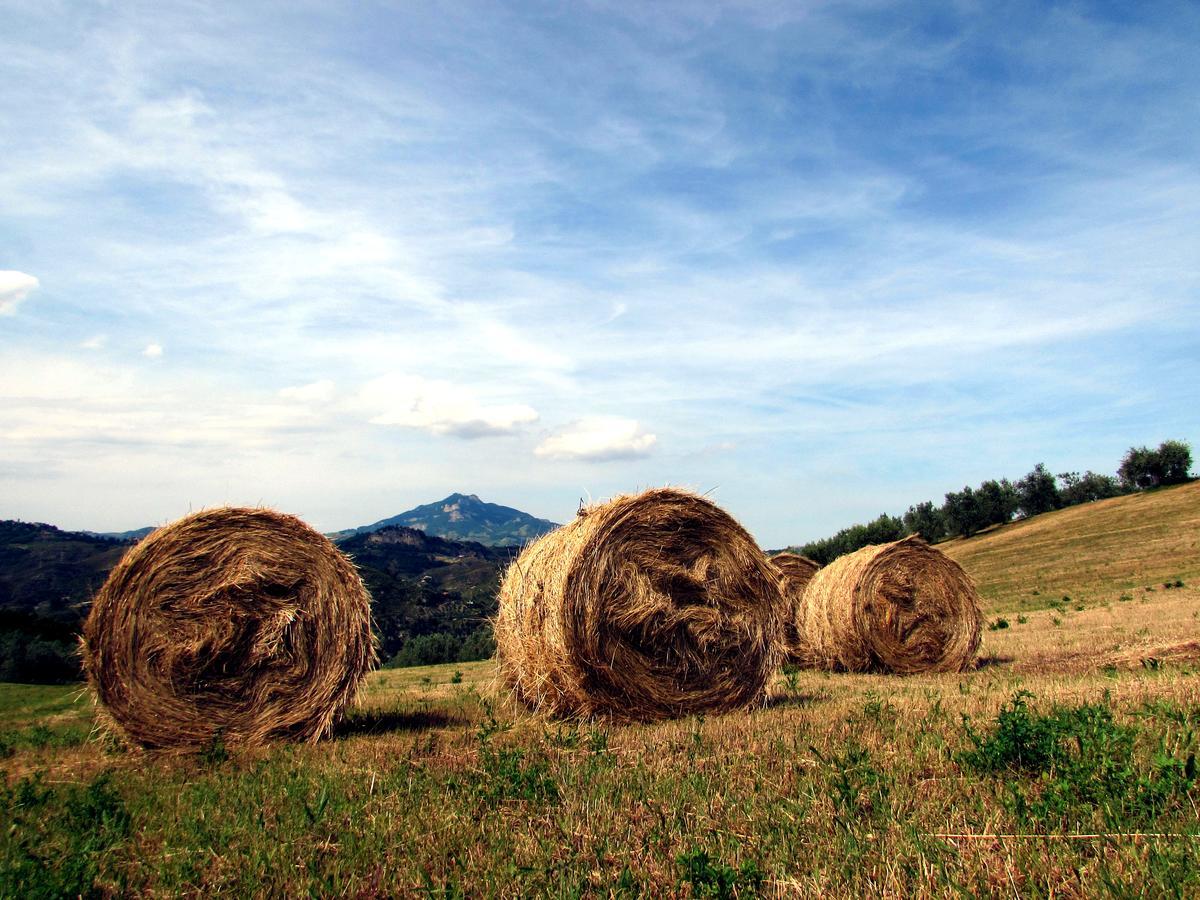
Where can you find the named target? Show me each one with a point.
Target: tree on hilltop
(1143, 468)
(962, 512)
(926, 520)
(1038, 492)
(1087, 487)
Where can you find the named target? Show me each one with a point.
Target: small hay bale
(239, 624)
(795, 572)
(902, 607)
(646, 607)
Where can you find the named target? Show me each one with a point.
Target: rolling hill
(1091, 552)
(423, 584)
(420, 584)
(50, 572)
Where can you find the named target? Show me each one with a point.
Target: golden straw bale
(239, 624)
(903, 607)
(645, 607)
(795, 572)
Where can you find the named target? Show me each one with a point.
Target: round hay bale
(646, 607)
(795, 572)
(239, 624)
(902, 607)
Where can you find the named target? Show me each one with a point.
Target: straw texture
(239, 623)
(902, 607)
(795, 572)
(646, 607)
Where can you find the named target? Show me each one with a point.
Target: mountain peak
(465, 517)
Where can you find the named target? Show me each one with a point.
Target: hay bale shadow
(377, 722)
(986, 662)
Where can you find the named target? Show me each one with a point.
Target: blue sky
(822, 260)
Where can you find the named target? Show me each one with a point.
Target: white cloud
(153, 351)
(14, 287)
(95, 342)
(441, 407)
(598, 438)
(317, 392)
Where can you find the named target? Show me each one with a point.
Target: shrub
(882, 530)
(926, 520)
(37, 650)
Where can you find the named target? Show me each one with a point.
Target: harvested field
(842, 785)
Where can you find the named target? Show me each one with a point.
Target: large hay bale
(645, 607)
(902, 607)
(795, 572)
(240, 623)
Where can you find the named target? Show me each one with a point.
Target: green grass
(845, 786)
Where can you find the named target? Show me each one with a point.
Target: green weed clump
(709, 877)
(40, 737)
(511, 773)
(998, 624)
(58, 836)
(1083, 767)
(861, 793)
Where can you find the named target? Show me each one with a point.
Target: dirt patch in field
(1146, 656)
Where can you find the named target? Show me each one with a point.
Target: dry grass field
(1065, 765)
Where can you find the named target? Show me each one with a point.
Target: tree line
(995, 502)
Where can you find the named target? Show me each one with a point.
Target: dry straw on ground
(242, 624)
(645, 607)
(902, 607)
(795, 572)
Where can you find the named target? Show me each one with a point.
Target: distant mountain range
(421, 583)
(433, 570)
(460, 517)
(53, 573)
(464, 517)
(136, 535)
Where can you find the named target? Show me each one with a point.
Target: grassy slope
(842, 786)
(1092, 552)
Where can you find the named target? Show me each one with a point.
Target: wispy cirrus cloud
(441, 407)
(14, 288)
